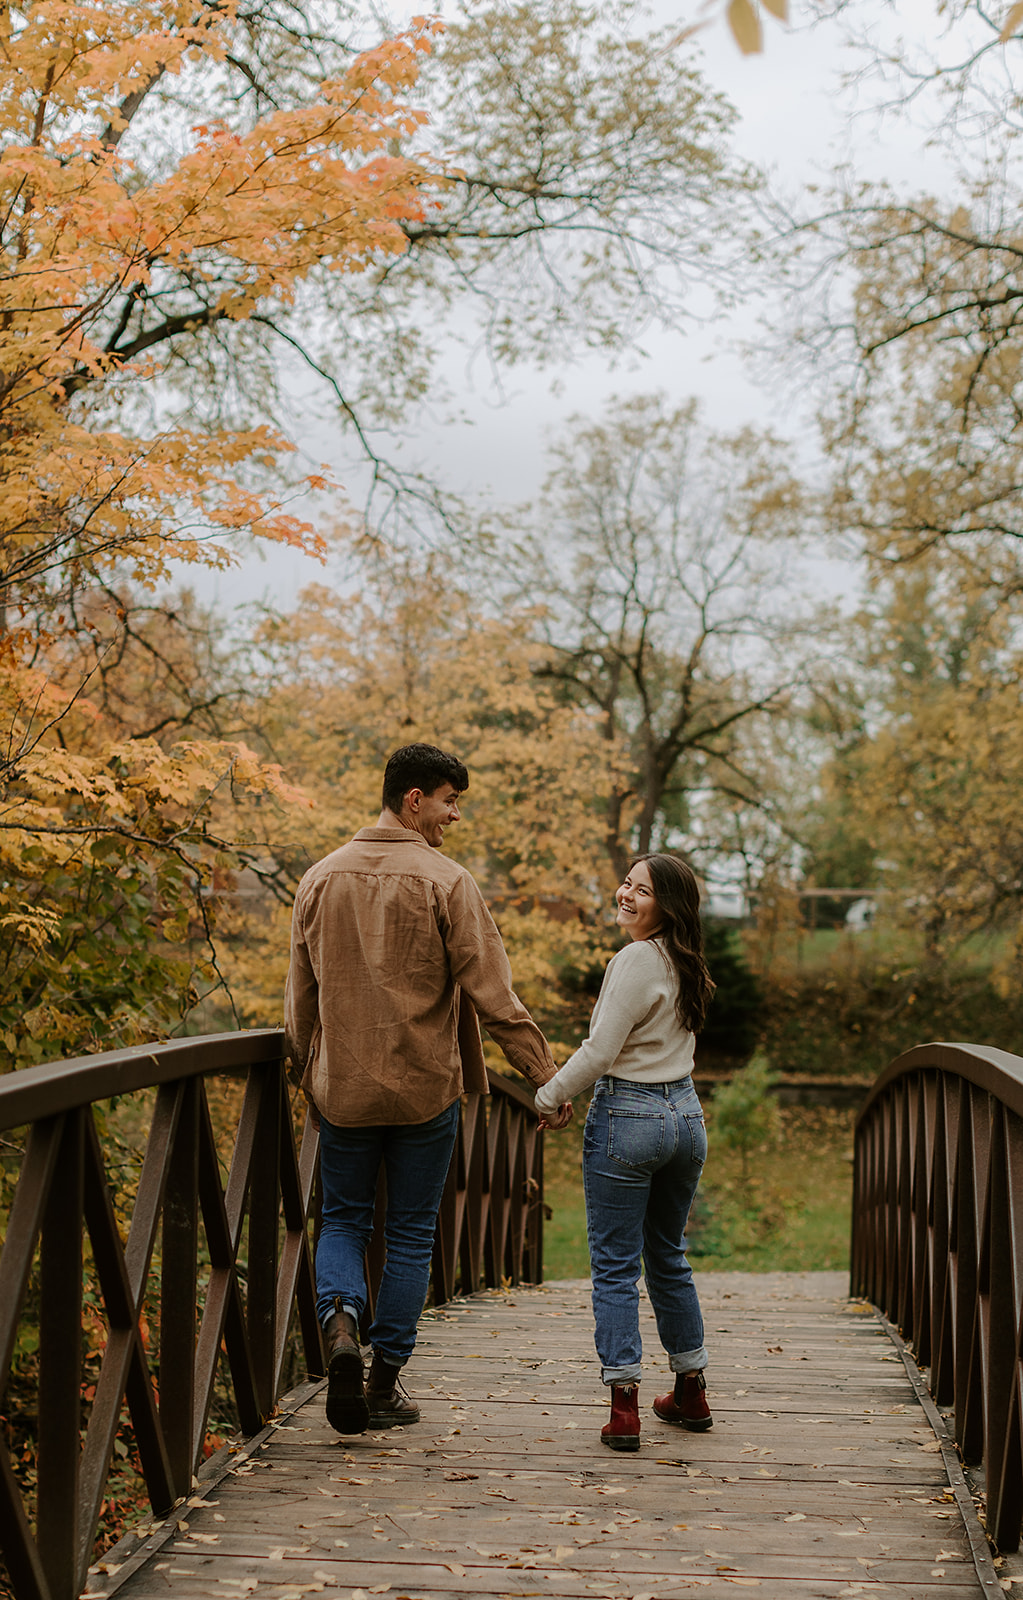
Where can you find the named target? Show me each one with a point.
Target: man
(389, 941)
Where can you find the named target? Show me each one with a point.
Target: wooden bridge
(831, 1469)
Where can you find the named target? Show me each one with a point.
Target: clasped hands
(556, 1119)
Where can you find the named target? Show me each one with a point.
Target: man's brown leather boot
(347, 1410)
(389, 1405)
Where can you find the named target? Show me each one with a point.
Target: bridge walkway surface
(822, 1475)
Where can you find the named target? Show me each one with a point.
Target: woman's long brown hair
(681, 934)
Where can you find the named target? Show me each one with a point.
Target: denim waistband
(612, 1085)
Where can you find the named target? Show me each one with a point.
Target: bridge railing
(937, 1244)
(214, 1259)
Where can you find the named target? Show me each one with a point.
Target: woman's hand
(556, 1119)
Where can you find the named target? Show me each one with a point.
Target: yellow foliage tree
(121, 252)
(346, 679)
(929, 781)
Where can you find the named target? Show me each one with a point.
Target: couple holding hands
(390, 940)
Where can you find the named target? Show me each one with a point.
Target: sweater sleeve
(624, 1000)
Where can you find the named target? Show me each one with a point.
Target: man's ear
(413, 799)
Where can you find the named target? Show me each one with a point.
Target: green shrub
(735, 1018)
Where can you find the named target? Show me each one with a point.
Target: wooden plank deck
(822, 1476)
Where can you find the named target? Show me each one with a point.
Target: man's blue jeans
(416, 1157)
(644, 1146)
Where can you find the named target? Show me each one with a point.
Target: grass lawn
(790, 1212)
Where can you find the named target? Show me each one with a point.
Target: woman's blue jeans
(644, 1146)
(415, 1157)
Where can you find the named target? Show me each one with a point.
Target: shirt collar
(390, 836)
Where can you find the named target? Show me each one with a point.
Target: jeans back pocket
(635, 1138)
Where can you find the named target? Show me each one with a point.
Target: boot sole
(347, 1410)
(701, 1426)
(622, 1441)
(387, 1419)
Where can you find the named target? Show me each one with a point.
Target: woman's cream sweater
(634, 1030)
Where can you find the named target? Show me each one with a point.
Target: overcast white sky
(797, 124)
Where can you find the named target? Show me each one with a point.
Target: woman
(644, 1143)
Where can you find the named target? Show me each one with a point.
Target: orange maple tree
(116, 260)
(136, 241)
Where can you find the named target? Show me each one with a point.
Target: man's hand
(557, 1119)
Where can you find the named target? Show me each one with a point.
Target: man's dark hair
(420, 766)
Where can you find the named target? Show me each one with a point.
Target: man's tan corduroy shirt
(388, 939)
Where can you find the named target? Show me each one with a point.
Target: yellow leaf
(745, 25)
(777, 8)
(1012, 22)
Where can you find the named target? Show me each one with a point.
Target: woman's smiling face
(638, 911)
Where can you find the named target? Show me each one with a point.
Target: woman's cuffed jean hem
(689, 1360)
(621, 1375)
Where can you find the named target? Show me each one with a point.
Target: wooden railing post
(178, 1284)
(262, 1255)
(60, 1362)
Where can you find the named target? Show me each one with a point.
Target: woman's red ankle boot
(622, 1432)
(687, 1404)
